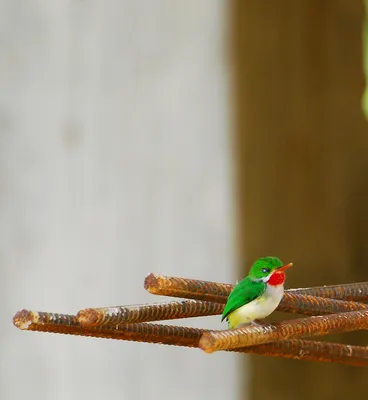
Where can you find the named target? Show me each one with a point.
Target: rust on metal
(312, 326)
(187, 288)
(139, 332)
(218, 292)
(311, 305)
(133, 323)
(347, 291)
(293, 302)
(112, 316)
(26, 320)
(189, 337)
(312, 350)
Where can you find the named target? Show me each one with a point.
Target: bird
(257, 295)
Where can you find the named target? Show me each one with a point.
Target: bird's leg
(260, 322)
(257, 322)
(244, 324)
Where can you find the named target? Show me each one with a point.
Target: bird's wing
(243, 293)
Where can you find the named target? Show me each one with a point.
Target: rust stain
(334, 309)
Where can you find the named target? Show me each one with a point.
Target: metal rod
(218, 292)
(312, 350)
(140, 332)
(311, 305)
(187, 288)
(113, 316)
(189, 337)
(348, 291)
(312, 326)
(292, 301)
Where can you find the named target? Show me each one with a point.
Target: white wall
(114, 162)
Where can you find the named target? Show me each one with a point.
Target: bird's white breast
(258, 308)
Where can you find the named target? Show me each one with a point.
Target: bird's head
(269, 270)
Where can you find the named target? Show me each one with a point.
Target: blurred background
(182, 138)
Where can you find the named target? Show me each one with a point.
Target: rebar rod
(113, 316)
(189, 337)
(218, 292)
(292, 302)
(140, 332)
(187, 288)
(357, 291)
(312, 350)
(312, 326)
(311, 305)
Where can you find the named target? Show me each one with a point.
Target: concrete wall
(114, 162)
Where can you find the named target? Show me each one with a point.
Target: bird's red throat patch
(277, 278)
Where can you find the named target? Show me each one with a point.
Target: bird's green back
(243, 293)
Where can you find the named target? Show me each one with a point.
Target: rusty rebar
(113, 316)
(348, 291)
(189, 337)
(311, 305)
(218, 292)
(292, 301)
(187, 288)
(311, 350)
(139, 332)
(312, 326)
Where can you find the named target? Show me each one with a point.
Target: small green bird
(257, 295)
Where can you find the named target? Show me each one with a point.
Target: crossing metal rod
(139, 332)
(292, 329)
(307, 350)
(312, 350)
(112, 316)
(294, 303)
(218, 292)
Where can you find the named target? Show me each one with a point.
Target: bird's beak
(284, 267)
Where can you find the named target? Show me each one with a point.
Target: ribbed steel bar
(311, 350)
(187, 288)
(218, 292)
(292, 301)
(189, 337)
(113, 316)
(347, 291)
(311, 305)
(312, 326)
(140, 332)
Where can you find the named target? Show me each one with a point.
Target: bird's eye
(265, 270)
